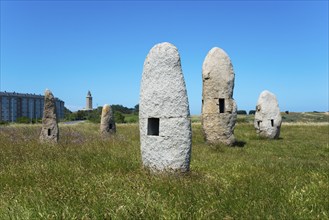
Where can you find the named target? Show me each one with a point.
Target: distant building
(15, 105)
(89, 101)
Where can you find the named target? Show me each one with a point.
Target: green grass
(306, 117)
(131, 118)
(292, 117)
(85, 177)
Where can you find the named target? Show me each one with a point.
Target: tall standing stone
(107, 121)
(164, 115)
(219, 110)
(267, 117)
(49, 132)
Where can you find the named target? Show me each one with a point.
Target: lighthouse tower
(89, 101)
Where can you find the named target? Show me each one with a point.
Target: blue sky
(71, 47)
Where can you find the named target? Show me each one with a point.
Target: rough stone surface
(49, 132)
(267, 117)
(219, 110)
(164, 116)
(107, 121)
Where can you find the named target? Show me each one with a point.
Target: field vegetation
(86, 177)
(121, 113)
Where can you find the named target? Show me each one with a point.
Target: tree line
(121, 113)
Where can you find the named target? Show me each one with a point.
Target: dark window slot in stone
(153, 125)
(221, 105)
(49, 132)
(272, 122)
(258, 123)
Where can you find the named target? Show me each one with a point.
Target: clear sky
(71, 47)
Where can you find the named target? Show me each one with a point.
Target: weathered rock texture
(107, 121)
(219, 110)
(164, 115)
(267, 117)
(49, 132)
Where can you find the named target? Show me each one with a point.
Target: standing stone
(164, 115)
(267, 117)
(107, 121)
(49, 132)
(219, 110)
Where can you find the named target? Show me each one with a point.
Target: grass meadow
(85, 177)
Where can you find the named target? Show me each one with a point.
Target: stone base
(219, 128)
(170, 150)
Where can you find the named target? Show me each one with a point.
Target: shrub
(252, 112)
(4, 122)
(241, 112)
(23, 120)
(119, 118)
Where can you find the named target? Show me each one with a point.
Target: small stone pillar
(107, 121)
(49, 132)
(267, 117)
(219, 110)
(164, 115)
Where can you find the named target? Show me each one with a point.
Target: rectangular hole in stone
(110, 126)
(258, 123)
(221, 105)
(153, 126)
(272, 122)
(49, 132)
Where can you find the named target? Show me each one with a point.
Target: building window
(49, 132)
(272, 122)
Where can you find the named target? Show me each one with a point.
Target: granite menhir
(219, 110)
(267, 117)
(107, 126)
(164, 115)
(49, 132)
